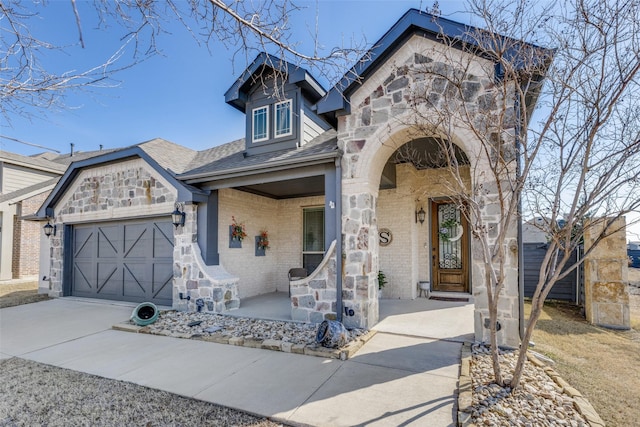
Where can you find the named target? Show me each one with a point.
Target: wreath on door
(446, 230)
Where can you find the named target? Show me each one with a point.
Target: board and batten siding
(16, 177)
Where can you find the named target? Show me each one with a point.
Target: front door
(449, 251)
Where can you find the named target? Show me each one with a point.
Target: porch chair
(296, 274)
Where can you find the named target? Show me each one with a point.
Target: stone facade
(132, 189)
(129, 189)
(196, 286)
(383, 118)
(313, 299)
(606, 277)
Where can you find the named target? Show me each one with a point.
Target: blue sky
(178, 96)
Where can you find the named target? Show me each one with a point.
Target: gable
(122, 189)
(450, 34)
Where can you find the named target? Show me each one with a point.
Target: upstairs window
(283, 118)
(261, 124)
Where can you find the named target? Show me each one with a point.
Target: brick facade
(26, 239)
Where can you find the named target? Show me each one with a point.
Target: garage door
(125, 261)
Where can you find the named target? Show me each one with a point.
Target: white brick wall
(407, 259)
(282, 219)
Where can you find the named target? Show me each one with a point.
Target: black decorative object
(234, 242)
(260, 250)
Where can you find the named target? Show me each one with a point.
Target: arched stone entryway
(413, 204)
(399, 103)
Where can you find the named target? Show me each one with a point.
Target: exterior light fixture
(49, 229)
(420, 215)
(177, 216)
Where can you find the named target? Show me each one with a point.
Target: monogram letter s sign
(385, 237)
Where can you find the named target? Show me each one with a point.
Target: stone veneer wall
(132, 189)
(606, 277)
(313, 299)
(381, 121)
(209, 288)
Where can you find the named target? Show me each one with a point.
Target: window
(260, 124)
(313, 238)
(283, 118)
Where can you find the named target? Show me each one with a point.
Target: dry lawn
(20, 293)
(34, 394)
(603, 364)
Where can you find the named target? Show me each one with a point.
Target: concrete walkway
(393, 380)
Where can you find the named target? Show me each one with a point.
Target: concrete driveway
(393, 380)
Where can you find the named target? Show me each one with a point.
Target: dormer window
(260, 124)
(283, 118)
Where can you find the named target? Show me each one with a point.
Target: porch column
(359, 287)
(208, 229)
(330, 222)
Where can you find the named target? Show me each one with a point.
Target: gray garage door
(124, 260)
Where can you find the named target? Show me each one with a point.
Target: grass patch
(20, 293)
(601, 363)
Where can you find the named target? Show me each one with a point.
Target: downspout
(339, 308)
(520, 242)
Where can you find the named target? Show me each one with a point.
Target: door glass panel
(449, 236)
(313, 238)
(313, 230)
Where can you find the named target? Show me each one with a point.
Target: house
(317, 173)
(25, 182)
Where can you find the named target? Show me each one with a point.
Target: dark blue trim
(330, 203)
(67, 263)
(238, 94)
(211, 254)
(186, 193)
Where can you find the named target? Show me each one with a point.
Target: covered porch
(420, 317)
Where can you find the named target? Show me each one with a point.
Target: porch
(420, 317)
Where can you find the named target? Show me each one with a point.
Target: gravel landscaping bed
(37, 394)
(194, 325)
(277, 335)
(543, 399)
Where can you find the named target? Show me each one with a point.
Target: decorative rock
(538, 401)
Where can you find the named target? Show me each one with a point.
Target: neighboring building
(633, 252)
(317, 171)
(25, 182)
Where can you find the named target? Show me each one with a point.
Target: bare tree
(29, 88)
(576, 156)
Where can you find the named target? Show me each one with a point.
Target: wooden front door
(450, 249)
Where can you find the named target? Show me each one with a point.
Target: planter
(234, 242)
(260, 250)
(331, 334)
(425, 288)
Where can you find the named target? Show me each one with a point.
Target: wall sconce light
(177, 216)
(49, 229)
(420, 215)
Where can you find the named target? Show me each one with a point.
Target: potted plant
(382, 280)
(263, 240)
(237, 230)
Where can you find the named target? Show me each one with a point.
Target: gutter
(339, 308)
